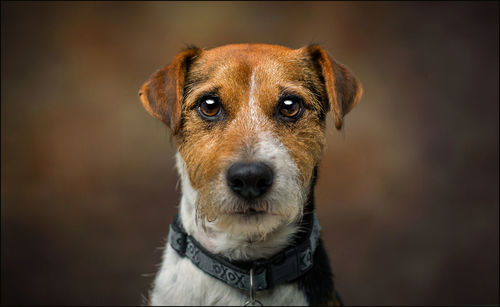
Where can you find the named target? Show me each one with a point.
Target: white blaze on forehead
(251, 97)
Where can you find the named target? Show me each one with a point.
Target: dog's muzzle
(249, 180)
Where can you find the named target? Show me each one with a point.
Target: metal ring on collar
(252, 301)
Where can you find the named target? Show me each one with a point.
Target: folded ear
(162, 93)
(342, 88)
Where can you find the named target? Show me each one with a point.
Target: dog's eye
(210, 107)
(290, 108)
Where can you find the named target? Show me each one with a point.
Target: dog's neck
(231, 246)
(198, 288)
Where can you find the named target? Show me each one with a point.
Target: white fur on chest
(180, 282)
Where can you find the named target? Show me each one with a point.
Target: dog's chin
(251, 222)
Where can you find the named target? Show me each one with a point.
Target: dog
(248, 121)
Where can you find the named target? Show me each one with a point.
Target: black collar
(285, 266)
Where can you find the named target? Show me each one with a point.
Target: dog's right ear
(162, 93)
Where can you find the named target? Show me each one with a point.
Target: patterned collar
(285, 266)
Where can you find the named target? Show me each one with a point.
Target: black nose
(249, 180)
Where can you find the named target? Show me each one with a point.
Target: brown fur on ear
(162, 93)
(343, 88)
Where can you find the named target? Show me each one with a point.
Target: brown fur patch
(209, 147)
(343, 88)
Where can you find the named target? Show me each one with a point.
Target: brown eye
(210, 107)
(290, 108)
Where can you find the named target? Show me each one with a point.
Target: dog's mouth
(250, 212)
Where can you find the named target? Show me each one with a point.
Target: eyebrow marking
(195, 95)
(309, 98)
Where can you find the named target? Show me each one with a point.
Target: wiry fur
(249, 81)
(201, 289)
(243, 238)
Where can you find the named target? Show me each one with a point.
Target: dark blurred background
(408, 193)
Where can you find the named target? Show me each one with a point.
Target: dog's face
(249, 124)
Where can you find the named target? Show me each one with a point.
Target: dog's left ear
(162, 93)
(342, 88)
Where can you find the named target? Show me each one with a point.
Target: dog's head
(249, 124)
